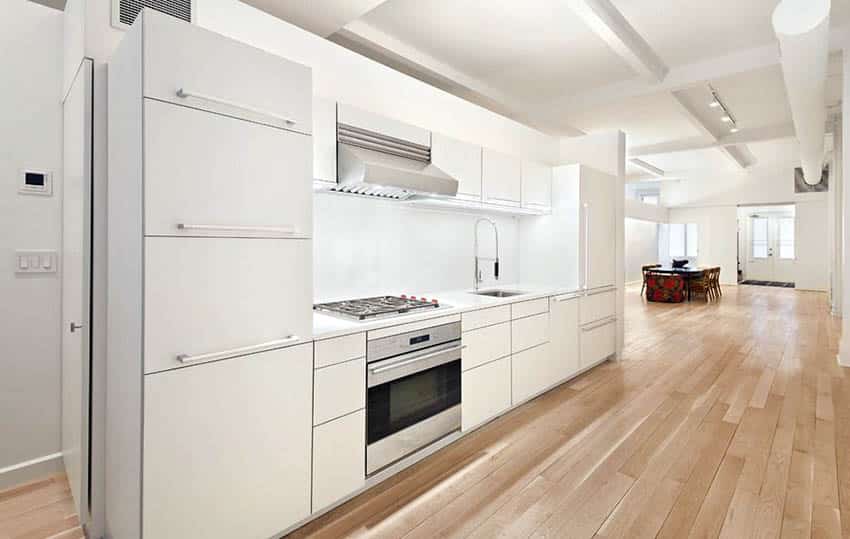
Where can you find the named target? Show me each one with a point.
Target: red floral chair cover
(665, 288)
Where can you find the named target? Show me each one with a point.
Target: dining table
(687, 273)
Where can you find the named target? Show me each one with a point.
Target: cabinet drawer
(223, 75)
(340, 349)
(339, 389)
(211, 298)
(224, 177)
(531, 373)
(486, 317)
(597, 306)
(529, 308)
(486, 392)
(232, 434)
(597, 343)
(486, 344)
(339, 456)
(530, 331)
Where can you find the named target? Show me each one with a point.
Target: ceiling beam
(606, 21)
(744, 136)
(322, 17)
(683, 76)
(382, 47)
(649, 168)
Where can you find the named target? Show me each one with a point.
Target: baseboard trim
(30, 470)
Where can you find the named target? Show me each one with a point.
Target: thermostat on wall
(36, 182)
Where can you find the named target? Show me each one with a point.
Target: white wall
(811, 269)
(646, 212)
(30, 136)
(641, 247)
(347, 77)
(368, 247)
(717, 237)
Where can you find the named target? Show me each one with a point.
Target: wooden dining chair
(645, 271)
(715, 282)
(701, 284)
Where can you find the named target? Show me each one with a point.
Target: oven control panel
(404, 343)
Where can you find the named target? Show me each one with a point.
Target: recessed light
(726, 119)
(714, 104)
(734, 130)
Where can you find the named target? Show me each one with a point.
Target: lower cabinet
(531, 373)
(339, 458)
(598, 341)
(227, 446)
(485, 392)
(564, 333)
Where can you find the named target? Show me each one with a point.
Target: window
(759, 237)
(786, 237)
(684, 240)
(649, 199)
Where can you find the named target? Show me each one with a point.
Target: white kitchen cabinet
(598, 228)
(531, 373)
(500, 178)
(219, 176)
(339, 459)
(460, 160)
(210, 379)
(598, 342)
(198, 68)
(324, 139)
(523, 309)
(228, 438)
(564, 336)
(536, 186)
(529, 332)
(485, 392)
(486, 317)
(213, 295)
(339, 390)
(340, 349)
(486, 344)
(598, 304)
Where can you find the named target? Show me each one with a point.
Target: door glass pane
(677, 240)
(649, 199)
(786, 237)
(759, 237)
(691, 240)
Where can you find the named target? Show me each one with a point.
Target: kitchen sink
(498, 293)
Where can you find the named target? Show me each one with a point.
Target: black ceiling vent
(124, 12)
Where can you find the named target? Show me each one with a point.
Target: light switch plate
(38, 261)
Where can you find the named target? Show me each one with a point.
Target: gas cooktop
(377, 307)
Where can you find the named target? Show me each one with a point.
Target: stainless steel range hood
(375, 164)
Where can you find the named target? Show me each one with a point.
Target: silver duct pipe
(802, 28)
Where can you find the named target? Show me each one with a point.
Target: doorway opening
(767, 250)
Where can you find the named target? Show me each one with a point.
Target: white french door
(771, 249)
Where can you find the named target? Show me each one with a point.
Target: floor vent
(124, 12)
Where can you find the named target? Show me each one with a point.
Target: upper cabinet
(231, 78)
(597, 192)
(460, 160)
(536, 185)
(324, 139)
(500, 178)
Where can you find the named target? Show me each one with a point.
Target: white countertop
(456, 301)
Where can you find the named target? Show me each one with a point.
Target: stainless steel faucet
(479, 277)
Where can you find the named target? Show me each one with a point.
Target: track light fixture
(727, 117)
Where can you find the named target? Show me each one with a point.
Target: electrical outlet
(41, 261)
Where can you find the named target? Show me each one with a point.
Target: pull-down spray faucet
(479, 277)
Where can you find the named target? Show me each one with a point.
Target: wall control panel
(35, 182)
(36, 261)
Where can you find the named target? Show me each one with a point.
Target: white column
(844, 220)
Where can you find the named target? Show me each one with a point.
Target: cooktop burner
(377, 307)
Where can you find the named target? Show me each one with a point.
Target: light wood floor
(39, 510)
(729, 419)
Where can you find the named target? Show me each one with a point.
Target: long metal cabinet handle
(287, 231)
(399, 364)
(599, 324)
(568, 297)
(600, 290)
(586, 244)
(184, 93)
(254, 348)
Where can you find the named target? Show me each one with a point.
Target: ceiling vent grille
(124, 12)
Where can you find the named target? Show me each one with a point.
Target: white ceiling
(544, 63)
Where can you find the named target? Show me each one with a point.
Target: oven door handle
(405, 362)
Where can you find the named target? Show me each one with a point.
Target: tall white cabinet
(210, 354)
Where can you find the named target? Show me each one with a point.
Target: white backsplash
(365, 247)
